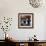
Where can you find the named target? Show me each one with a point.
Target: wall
(11, 8)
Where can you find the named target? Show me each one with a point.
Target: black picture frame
(25, 20)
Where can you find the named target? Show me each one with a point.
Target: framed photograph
(25, 20)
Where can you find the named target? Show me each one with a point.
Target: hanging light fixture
(36, 3)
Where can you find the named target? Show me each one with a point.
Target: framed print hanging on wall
(25, 20)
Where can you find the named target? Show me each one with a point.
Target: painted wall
(11, 8)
